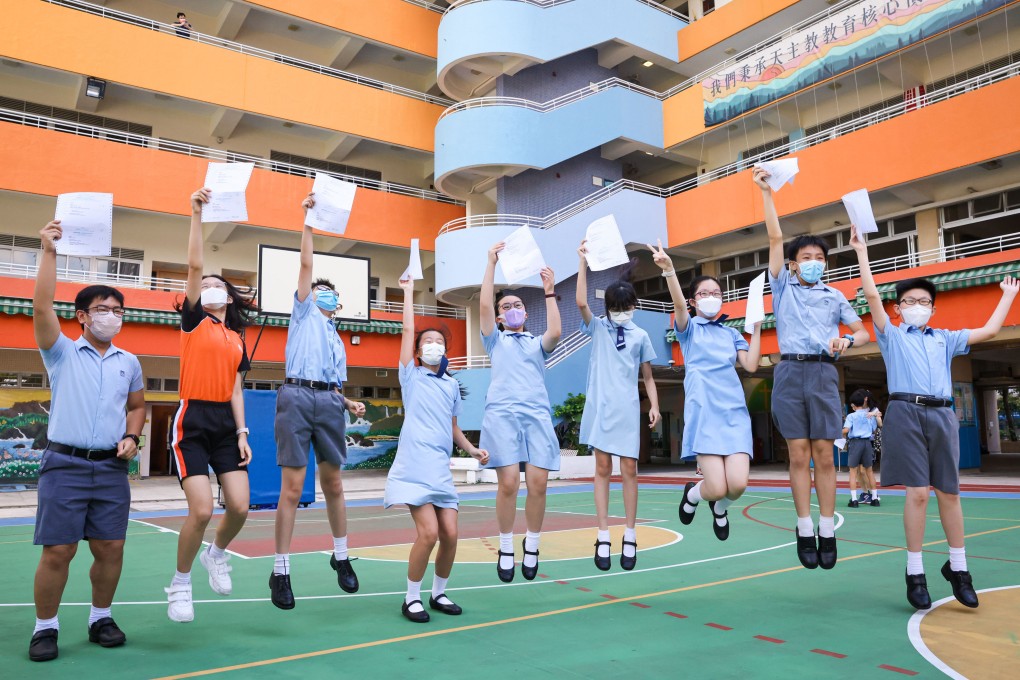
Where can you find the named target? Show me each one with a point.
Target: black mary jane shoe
(345, 576)
(628, 563)
(416, 617)
(451, 609)
(963, 586)
(43, 646)
(529, 573)
(721, 532)
(827, 552)
(106, 633)
(686, 517)
(505, 575)
(917, 591)
(280, 592)
(603, 563)
(807, 551)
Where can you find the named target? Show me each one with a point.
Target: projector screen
(278, 273)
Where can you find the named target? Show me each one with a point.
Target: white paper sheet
(755, 303)
(605, 245)
(414, 265)
(520, 259)
(334, 199)
(780, 172)
(227, 182)
(840, 444)
(858, 207)
(87, 223)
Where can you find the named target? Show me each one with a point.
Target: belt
(314, 384)
(808, 357)
(921, 399)
(87, 454)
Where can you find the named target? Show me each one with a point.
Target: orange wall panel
(725, 22)
(683, 116)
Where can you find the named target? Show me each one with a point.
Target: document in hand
(755, 303)
(780, 172)
(334, 199)
(414, 265)
(858, 207)
(521, 258)
(87, 223)
(227, 183)
(605, 244)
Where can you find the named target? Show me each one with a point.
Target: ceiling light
(648, 64)
(729, 51)
(649, 153)
(834, 86)
(288, 124)
(293, 27)
(95, 88)
(399, 57)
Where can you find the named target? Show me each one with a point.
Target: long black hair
(240, 313)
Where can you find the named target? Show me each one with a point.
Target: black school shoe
(505, 575)
(106, 632)
(451, 609)
(963, 586)
(853, 503)
(807, 551)
(628, 563)
(875, 503)
(721, 532)
(417, 617)
(280, 592)
(827, 552)
(345, 576)
(917, 591)
(43, 646)
(529, 572)
(603, 563)
(686, 517)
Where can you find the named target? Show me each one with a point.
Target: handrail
(566, 347)
(215, 41)
(428, 5)
(552, 104)
(421, 310)
(144, 141)
(456, 4)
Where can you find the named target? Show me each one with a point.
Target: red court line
(835, 655)
(543, 576)
(904, 671)
(562, 583)
(609, 597)
(766, 638)
(718, 626)
(642, 605)
(584, 590)
(675, 615)
(785, 483)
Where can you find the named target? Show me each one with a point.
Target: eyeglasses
(924, 302)
(103, 309)
(706, 294)
(507, 307)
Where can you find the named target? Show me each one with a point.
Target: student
(611, 420)
(920, 427)
(717, 425)
(83, 480)
(208, 427)
(805, 397)
(310, 411)
(182, 26)
(420, 476)
(858, 428)
(517, 425)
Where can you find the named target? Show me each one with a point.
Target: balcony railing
(421, 310)
(552, 104)
(455, 4)
(567, 346)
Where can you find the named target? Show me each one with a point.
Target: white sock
(720, 508)
(914, 563)
(340, 548)
(826, 526)
(853, 494)
(413, 593)
(603, 550)
(629, 534)
(181, 579)
(531, 543)
(693, 497)
(874, 494)
(506, 545)
(216, 552)
(281, 563)
(805, 527)
(957, 559)
(439, 589)
(96, 613)
(44, 624)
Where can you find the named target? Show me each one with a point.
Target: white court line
(167, 530)
(837, 515)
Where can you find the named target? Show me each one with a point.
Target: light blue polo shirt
(919, 363)
(314, 349)
(807, 317)
(88, 392)
(860, 426)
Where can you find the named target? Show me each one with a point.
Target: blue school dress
(420, 472)
(517, 426)
(611, 421)
(716, 420)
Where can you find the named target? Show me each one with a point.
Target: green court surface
(742, 608)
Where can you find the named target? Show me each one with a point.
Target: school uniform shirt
(88, 392)
(859, 425)
(211, 356)
(420, 472)
(807, 317)
(314, 349)
(611, 421)
(919, 362)
(716, 420)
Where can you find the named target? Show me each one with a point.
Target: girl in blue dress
(611, 420)
(420, 475)
(717, 426)
(517, 426)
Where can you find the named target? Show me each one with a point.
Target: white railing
(552, 104)
(206, 39)
(655, 306)
(567, 346)
(421, 310)
(544, 4)
(428, 5)
(144, 141)
(464, 363)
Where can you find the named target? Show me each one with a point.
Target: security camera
(672, 363)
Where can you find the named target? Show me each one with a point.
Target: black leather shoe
(280, 592)
(917, 591)
(529, 573)
(807, 551)
(628, 563)
(345, 576)
(854, 503)
(686, 517)
(106, 632)
(963, 587)
(721, 532)
(451, 609)
(505, 575)
(875, 503)
(827, 552)
(603, 563)
(43, 646)
(417, 617)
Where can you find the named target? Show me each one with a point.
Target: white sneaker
(181, 609)
(219, 572)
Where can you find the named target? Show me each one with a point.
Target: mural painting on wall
(24, 415)
(372, 439)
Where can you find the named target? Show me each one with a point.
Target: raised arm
(486, 297)
(554, 328)
(878, 315)
(581, 293)
(196, 243)
(776, 257)
(304, 279)
(407, 334)
(1010, 286)
(44, 319)
(653, 394)
(750, 358)
(665, 263)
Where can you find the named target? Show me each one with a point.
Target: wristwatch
(851, 339)
(134, 437)
(242, 430)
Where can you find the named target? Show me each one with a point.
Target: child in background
(858, 428)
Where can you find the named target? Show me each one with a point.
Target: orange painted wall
(48, 163)
(68, 40)
(725, 22)
(683, 116)
(918, 144)
(393, 22)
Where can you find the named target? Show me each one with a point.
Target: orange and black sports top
(211, 356)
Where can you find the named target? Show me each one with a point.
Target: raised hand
(494, 252)
(857, 239)
(760, 175)
(1010, 285)
(309, 201)
(407, 284)
(661, 257)
(548, 280)
(582, 251)
(50, 234)
(198, 199)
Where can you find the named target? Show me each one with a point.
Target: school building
(463, 121)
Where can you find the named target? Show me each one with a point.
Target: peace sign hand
(661, 257)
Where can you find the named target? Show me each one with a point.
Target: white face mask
(709, 306)
(105, 326)
(916, 315)
(620, 318)
(432, 353)
(214, 298)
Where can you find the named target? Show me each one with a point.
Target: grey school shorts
(81, 499)
(860, 452)
(307, 417)
(921, 447)
(806, 401)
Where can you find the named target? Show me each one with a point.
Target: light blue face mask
(811, 271)
(326, 299)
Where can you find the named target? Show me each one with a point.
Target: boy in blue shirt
(858, 428)
(921, 431)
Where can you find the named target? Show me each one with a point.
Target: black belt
(921, 399)
(808, 357)
(314, 384)
(87, 454)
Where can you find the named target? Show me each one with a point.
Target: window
(8, 379)
(154, 384)
(170, 384)
(383, 392)
(327, 166)
(36, 380)
(955, 212)
(987, 205)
